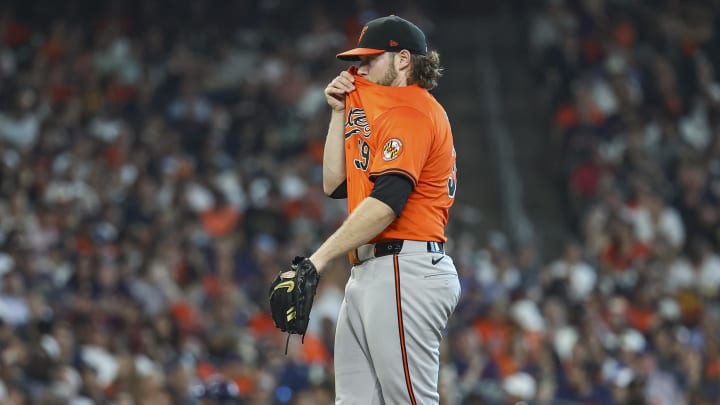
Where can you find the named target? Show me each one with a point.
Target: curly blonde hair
(426, 70)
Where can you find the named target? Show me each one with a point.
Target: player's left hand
(291, 296)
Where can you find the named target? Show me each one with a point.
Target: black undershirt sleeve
(340, 192)
(393, 189)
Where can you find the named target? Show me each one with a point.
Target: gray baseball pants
(391, 322)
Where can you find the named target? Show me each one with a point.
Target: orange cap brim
(355, 54)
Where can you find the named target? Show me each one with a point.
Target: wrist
(318, 262)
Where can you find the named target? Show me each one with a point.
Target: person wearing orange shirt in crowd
(389, 150)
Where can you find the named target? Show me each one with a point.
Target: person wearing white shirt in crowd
(700, 270)
(652, 218)
(579, 276)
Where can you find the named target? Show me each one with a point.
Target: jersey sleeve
(404, 141)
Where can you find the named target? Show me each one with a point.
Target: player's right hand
(337, 90)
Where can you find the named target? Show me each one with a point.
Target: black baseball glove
(291, 298)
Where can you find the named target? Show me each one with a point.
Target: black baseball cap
(387, 34)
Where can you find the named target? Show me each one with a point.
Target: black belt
(391, 247)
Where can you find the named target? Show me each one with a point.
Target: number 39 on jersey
(363, 161)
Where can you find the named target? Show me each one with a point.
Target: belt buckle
(388, 247)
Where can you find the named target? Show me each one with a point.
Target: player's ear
(403, 59)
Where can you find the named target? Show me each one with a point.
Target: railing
(515, 217)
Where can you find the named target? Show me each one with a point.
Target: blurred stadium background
(160, 161)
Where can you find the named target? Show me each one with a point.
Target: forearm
(370, 218)
(334, 153)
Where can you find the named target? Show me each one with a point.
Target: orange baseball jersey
(401, 130)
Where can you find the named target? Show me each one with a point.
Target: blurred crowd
(158, 165)
(631, 311)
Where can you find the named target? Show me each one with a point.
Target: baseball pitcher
(389, 151)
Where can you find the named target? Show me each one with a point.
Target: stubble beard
(389, 77)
